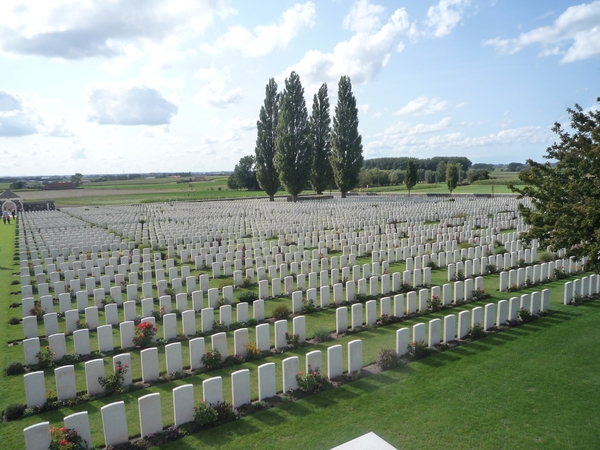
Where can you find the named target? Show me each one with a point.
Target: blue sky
(120, 86)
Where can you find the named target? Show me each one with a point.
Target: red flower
(118, 368)
(64, 442)
(63, 429)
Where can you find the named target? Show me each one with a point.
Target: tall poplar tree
(411, 177)
(346, 153)
(321, 174)
(293, 156)
(266, 126)
(452, 173)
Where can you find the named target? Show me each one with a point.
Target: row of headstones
(501, 261)
(31, 346)
(30, 328)
(35, 387)
(538, 273)
(114, 420)
(193, 213)
(487, 316)
(465, 234)
(369, 243)
(131, 272)
(149, 405)
(307, 254)
(149, 357)
(217, 267)
(462, 290)
(81, 337)
(583, 287)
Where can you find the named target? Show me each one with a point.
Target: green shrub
(293, 340)
(388, 359)
(14, 411)
(225, 412)
(312, 382)
(525, 315)
(14, 321)
(476, 331)
(14, 282)
(14, 368)
(247, 297)
(212, 360)
(205, 414)
(418, 349)
(322, 335)
(281, 312)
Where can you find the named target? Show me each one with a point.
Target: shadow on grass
(296, 409)
(270, 417)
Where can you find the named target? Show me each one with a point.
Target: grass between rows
(372, 342)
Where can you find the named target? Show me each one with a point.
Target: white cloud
(265, 38)
(422, 106)
(443, 17)
(460, 105)
(155, 131)
(79, 153)
(363, 17)
(123, 104)
(404, 138)
(16, 119)
(215, 93)
(74, 29)
(57, 129)
(361, 57)
(237, 124)
(575, 34)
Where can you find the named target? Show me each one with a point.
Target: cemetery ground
(535, 384)
(144, 190)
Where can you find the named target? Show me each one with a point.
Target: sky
(137, 86)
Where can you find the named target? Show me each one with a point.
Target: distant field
(146, 190)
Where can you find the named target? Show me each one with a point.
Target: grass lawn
(535, 385)
(530, 387)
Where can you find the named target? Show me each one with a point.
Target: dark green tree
(346, 154)
(244, 174)
(452, 176)
(410, 177)
(77, 179)
(430, 176)
(514, 167)
(565, 197)
(232, 182)
(266, 133)
(321, 173)
(440, 172)
(396, 177)
(293, 155)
